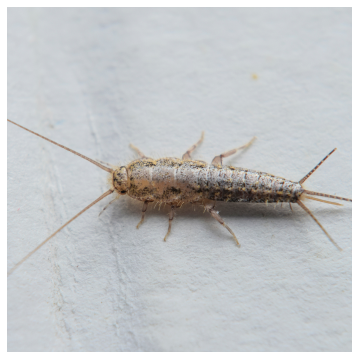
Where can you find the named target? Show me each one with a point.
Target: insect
(174, 182)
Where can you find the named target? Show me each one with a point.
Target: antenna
(66, 148)
(63, 226)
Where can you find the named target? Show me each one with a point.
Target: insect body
(174, 181)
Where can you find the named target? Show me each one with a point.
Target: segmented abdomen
(235, 184)
(173, 180)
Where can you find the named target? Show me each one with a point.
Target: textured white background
(96, 80)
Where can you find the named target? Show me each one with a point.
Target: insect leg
(170, 219)
(216, 216)
(140, 154)
(187, 155)
(218, 159)
(104, 208)
(144, 209)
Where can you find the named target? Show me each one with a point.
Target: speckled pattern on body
(175, 181)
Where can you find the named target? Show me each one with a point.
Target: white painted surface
(96, 80)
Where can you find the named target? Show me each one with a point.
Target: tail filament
(327, 195)
(316, 167)
(318, 223)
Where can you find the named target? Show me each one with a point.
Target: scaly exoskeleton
(174, 182)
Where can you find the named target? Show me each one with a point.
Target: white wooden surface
(96, 80)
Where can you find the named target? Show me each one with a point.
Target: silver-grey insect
(174, 181)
